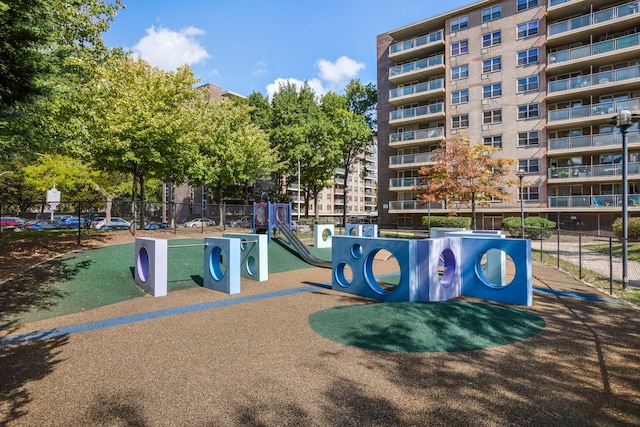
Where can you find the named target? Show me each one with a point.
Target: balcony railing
(593, 18)
(418, 41)
(409, 182)
(606, 46)
(423, 110)
(585, 171)
(416, 88)
(420, 64)
(591, 141)
(413, 135)
(413, 205)
(591, 201)
(411, 159)
(600, 109)
(595, 79)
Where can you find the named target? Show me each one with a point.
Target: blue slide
(301, 248)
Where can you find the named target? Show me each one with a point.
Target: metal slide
(301, 248)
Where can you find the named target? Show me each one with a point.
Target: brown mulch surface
(258, 363)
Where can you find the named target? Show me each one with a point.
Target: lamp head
(521, 173)
(624, 118)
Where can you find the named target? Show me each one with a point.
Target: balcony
(601, 17)
(623, 79)
(409, 116)
(416, 92)
(592, 202)
(416, 137)
(625, 47)
(409, 183)
(405, 49)
(413, 205)
(610, 170)
(589, 114)
(417, 70)
(408, 161)
(586, 142)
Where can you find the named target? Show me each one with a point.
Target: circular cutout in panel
(262, 217)
(251, 265)
(344, 275)
(326, 233)
(448, 275)
(356, 250)
(382, 271)
(450, 326)
(217, 267)
(243, 244)
(496, 268)
(143, 264)
(281, 214)
(353, 232)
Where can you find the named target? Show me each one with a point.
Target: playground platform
(197, 357)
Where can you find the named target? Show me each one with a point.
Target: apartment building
(361, 196)
(541, 80)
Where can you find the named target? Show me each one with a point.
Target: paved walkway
(253, 360)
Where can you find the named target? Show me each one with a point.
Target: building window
(531, 194)
(529, 56)
(490, 117)
(491, 13)
(492, 64)
(460, 121)
(528, 111)
(459, 23)
(459, 48)
(460, 96)
(526, 139)
(526, 4)
(529, 165)
(492, 91)
(491, 39)
(493, 141)
(460, 72)
(528, 29)
(528, 84)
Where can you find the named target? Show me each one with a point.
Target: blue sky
(252, 45)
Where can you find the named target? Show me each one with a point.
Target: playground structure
(455, 263)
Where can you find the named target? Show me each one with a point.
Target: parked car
(200, 222)
(300, 227)
(115, 224)
(156, 225)
(245, 221)
(44, 224)
(11, 223)
(70, 220)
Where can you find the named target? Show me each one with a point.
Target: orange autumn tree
(464, 174)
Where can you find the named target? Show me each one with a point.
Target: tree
(351, 120)
(136, 118)
(463, 174)
(229, 148)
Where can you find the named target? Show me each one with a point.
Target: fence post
(541, 239)
(579, 256)
(558, 248)
(610, 265)
(79, 221)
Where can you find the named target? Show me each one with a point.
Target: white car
(115, 224)
(300, 227)
(200, 222)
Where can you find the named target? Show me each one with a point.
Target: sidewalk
(255, 361)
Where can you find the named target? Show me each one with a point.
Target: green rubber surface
(99, 277)
(450, 326)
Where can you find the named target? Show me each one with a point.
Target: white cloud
(338, 73)
(315, 84)
(169, 49)
(260, 67)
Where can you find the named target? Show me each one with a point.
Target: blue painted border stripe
(584, 297)
(117, 321)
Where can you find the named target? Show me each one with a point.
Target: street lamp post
(624, 120)
(520, 174)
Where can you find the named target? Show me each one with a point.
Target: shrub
(447, 222)
(534, 227)
(633, 228)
